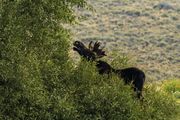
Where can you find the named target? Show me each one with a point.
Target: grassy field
(146, 30)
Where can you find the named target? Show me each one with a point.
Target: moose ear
(103, 53)
(79, 44)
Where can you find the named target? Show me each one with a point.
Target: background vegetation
(38, 80)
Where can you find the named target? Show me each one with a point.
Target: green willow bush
(34, 58)
(39, 82)
(106, 97)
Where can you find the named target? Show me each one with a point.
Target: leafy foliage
(38, 81)
(34, 57)
(172, 87)
(106, 97)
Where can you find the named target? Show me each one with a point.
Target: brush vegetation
(38, 80)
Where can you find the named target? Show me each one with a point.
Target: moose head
(92, 52)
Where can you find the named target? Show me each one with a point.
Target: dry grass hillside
(146, 30)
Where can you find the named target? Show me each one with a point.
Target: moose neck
(104, 68)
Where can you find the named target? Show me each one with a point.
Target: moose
(132, 76)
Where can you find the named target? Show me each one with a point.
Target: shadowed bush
(34, 58)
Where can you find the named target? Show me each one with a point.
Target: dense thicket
(38, 81)
(34, 57)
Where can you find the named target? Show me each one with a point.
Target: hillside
(147, 31)
(39, 81)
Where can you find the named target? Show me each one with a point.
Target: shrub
(34, 58)
(106, 97)
(172, 87)
(38, 81)
(164, 5)
(158, 105)
(101, 97)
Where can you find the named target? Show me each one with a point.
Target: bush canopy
(38, 81)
